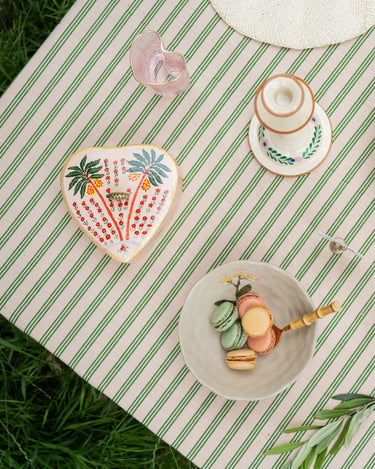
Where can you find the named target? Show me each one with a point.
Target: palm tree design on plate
(86, 176)
(150, 170)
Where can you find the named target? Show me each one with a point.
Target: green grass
(49, 417)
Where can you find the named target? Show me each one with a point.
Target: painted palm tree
(150, 170)
(86, 177)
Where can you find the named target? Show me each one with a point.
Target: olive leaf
(320, 459)
(321, 434)
(303, 428)
(341, 438)
(283, 448)
(301, 456)
(323, 445)
(220, 302)
(350, 396)
(330, 414)
(352, 403)
(245, 289)
(288, 465)
(357, 408)
(355, 423)
(309, 459)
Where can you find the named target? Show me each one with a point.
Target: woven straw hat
(298, 24)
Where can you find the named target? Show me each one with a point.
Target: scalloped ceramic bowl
(200, 343)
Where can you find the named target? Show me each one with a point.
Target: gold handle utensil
(308, 319)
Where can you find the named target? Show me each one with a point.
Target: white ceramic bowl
(200, 343)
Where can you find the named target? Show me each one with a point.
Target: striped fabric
(116, 324)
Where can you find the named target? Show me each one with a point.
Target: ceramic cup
(290, 134)
(284, 104)
(162, 71)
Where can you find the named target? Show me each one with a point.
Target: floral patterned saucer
(292, 162)
(121, 197)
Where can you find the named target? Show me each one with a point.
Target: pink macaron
(248, 301)
(264, 344)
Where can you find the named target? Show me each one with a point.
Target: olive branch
(276, 156)
(314, 144)
(356, 408)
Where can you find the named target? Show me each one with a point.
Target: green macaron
(234, 338)
(224, 316)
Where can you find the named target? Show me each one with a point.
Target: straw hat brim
(298, 24)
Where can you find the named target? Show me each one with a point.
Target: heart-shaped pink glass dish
(121, 197)
(162, 71)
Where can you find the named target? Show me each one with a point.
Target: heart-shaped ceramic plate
(121, 197)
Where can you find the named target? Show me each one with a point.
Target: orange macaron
(247, 301)
(257, 321)
(264, 344)
(243, 359)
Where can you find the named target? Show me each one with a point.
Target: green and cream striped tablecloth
(116, 324)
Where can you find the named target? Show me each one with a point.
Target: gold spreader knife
(308, 319)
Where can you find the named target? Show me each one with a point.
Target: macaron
(243, 359)
(248, 301)
(264, 344)
(224, 316)
(257, 321)
(234, 337)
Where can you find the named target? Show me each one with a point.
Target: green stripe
(17, 282)
(195, 387)
(348, 57)
(47, 59)
(193, 421)
(48, 272)
(100, 297)
(166, 395)
(143, 363)
(53, 82)
(40, 223)
(349, 84)
(160, 372)
(208, 432)
(320, 63)
(81, 291)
